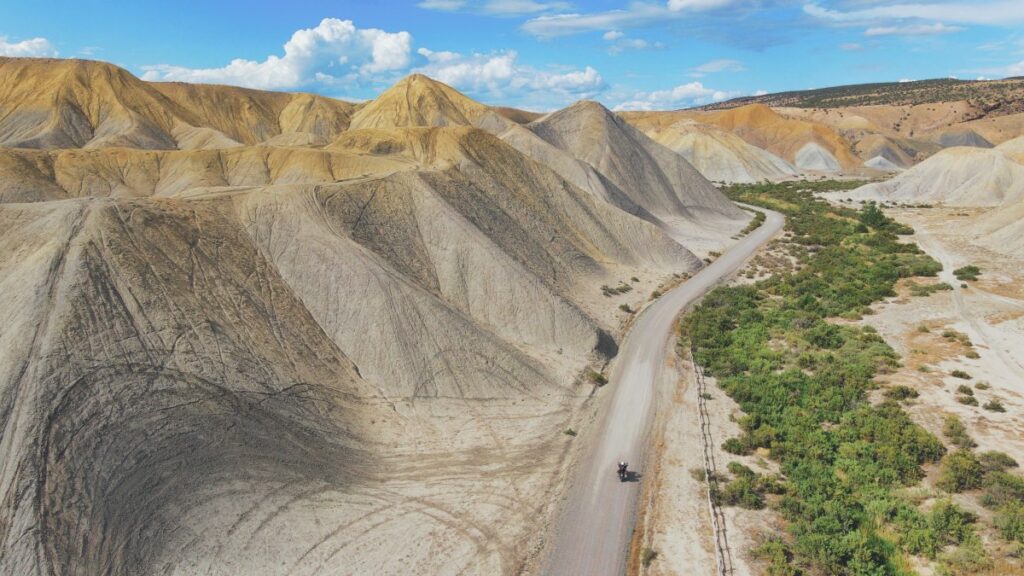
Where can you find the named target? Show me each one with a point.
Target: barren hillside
(247, 337)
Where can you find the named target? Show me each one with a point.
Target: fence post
(723, 556)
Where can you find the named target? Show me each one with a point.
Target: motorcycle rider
(622, 470)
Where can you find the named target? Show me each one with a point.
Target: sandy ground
(677, 519)
(990, 312)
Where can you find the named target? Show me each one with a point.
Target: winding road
(593, 532)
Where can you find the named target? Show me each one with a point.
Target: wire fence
(723, 554)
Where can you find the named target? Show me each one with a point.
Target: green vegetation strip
(802, 382)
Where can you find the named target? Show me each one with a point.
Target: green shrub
(994, 461)
(736, 446)
(965, 390)
(625, 308)
(803, 382)
(927, 534)
(741, 491)
(982, 386)
(960, 471)
(647, 556)
(960, 374)
(738, 469)
(1002, 488)
(1010, 521)
(994, 405)
(967, 273)
(924, 290)
(955, 431)
(597, 378)
(570, 432)
(967, 400)
(777, 557)
(970, 558)
(901, 392)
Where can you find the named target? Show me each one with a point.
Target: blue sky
(537, 54)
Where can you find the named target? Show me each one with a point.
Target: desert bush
(1002, 488)
(960, 471)
(596, 377)
(960, 374)
(1010, 521)
(955, 431)
(994, 405)
(967, 273)
(994, 461)
(924, 290)
(928, 534)
(647, 556)
(901, 392)
(802, 383)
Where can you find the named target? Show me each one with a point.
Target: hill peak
(419, 100)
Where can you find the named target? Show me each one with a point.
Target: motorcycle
(623, 472)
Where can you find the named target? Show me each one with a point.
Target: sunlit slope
(86, 104)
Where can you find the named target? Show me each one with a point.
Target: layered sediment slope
(722, 156)
(786, 137)
(86, 104)
(245, 337)
(957, 177)
(653, 177)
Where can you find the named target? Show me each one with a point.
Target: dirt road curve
(593, 533)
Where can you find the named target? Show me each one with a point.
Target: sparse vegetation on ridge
(999, 96)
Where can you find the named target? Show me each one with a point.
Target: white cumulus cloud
(334, 52)
(1015, 69)
(495, 7)
(912, 30)
(987, 12)
(720, 65)
(500, 76)
(513, 7)
(697, 5)
(691, 94)
(27, 48)
(445, 5)
(638, 14)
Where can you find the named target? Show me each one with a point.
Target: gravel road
(597, 520)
